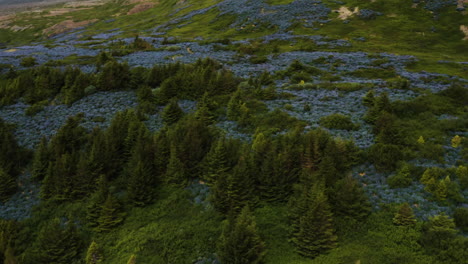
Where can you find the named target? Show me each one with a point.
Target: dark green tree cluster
(12, 159)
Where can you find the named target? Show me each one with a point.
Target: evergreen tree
(40, 161)
(442, 189)
(240, 242)
(438, 233)
(111, 214)
(132, 259)
(216, 163)
(240, 186)
(94, 207)
(94, 255)
(462, 174)
(234, 106)
(57, 243)
(172, 112)
(7, 185)
(369, 98)
(315, 233)
(204, 111)
(219, 194)
(141, 185)
(349, 200)
(404, 216)
(402, 178)
(175, 173)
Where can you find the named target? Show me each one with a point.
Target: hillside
(234, 131)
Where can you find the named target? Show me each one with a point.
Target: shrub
(401, 179)
(338, 121)
(28, 62)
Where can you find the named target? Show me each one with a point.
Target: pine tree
(315, 228)
(438, 233)
(216, 163)
(40, 161)
(404, 216)
(175, 173)
(462, 175)
(442, 189)
(7, 185)
(240, 186)
(240, 242)
(132, 259)
(172, 112)
(94, 255)
(234, 106)
(58, 244)
(402, 178)
(94, 207)
(141, 185)
(219, 195)
(369, 98)
(111, 214)
(349, 200)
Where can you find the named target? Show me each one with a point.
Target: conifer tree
(94, 255)
(204, 111)
(93, 209)
(240, 186)
(111, 214)
(140, 184)
(442, 188)
(402, 178)
(58, 244)
(7, 185)
(438, 233)
(219, 194)
(132, 259)
(172, 112)
(369, 98)
(315, 233)
(240, 242)
(404, 216)
(234, 106)
(175, 173)
(462, 175)
(216, 163)
(349, 200)
(40, 161)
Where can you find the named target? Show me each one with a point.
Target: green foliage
(12, 156)
(338, 121)
(175, 172)
(462, 175)
(461, 218)
(404, 216)
(58, 243)
(216, 162)
(172, 112)
(8, 185)
(94, 255)
(28, 61)
(114, 76)
(438, 233)
(132, 260)
(240, 242)
(402, 178)
(348, 200)
(315, 233)
(385, 156)
(111, 214)
(368, 99)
